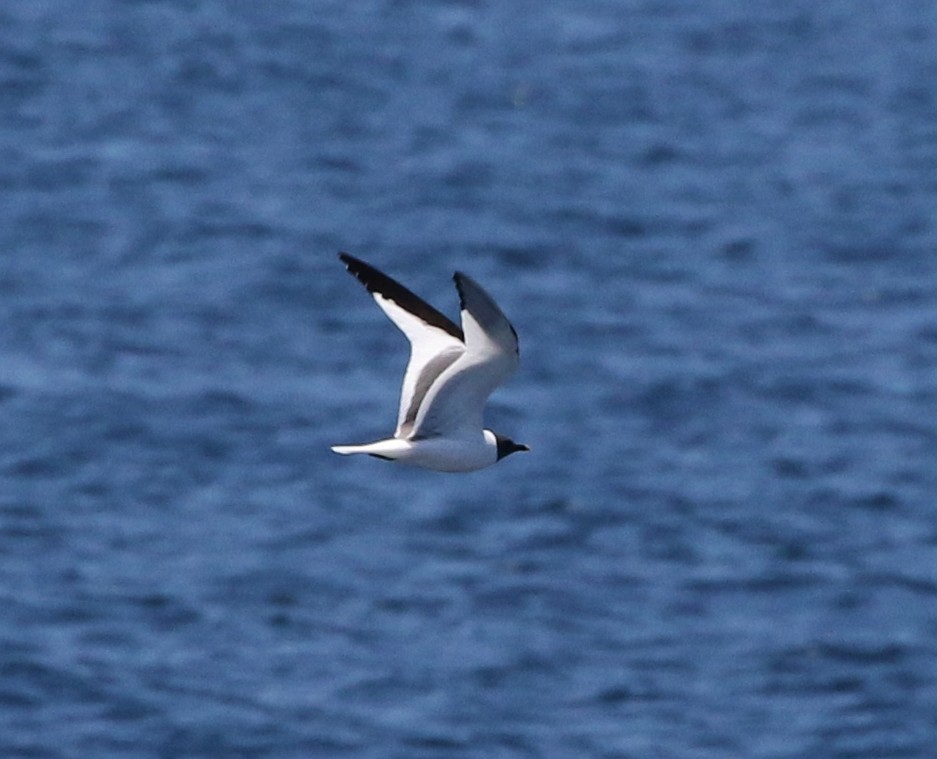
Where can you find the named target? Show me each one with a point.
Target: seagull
(450, 374)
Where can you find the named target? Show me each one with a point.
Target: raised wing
(435, 341)
(455, 402)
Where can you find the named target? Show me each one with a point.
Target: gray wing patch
(428, 375)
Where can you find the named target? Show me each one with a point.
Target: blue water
(714, 225)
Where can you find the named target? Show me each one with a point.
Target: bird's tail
(392, 448)
(347, 450)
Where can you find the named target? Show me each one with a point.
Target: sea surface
(714, 226)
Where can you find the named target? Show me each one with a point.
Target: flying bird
(448, 379)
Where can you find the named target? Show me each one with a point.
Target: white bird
(448, 379)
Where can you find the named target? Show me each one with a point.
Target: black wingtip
(364, 272)
(350, 261)
(457, 278)
(376, 281)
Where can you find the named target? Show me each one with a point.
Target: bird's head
(506, 446)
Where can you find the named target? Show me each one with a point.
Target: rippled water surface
(713, 225)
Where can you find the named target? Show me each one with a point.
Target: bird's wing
(453, 405)
(435, 341)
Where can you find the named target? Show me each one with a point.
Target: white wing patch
(429, 347)
(454, 404)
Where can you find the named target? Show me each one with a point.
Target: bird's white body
(448, 379)
(442, 454)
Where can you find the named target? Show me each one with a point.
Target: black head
(506, 446)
